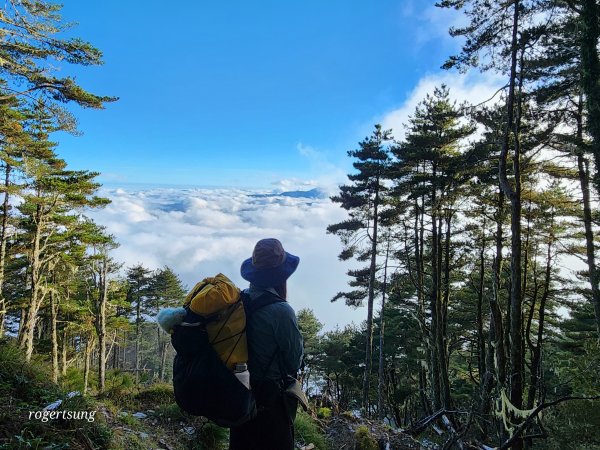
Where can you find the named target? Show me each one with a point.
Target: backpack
(216, 301)
(206, 346)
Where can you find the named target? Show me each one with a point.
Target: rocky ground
(341, 433)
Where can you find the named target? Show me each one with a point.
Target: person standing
(275, 349)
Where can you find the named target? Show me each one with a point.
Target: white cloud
(201, 232)
(328, 174)
(292, 184)
(472, 87)
(431, 24)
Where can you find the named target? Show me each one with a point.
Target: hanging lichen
(506, 410)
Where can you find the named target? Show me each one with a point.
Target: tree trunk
(514, 195)
(53, 319)
(496, 355)
(86, 369)
(101, 323)
(163, 363)
(590, 70)
(28, 326)
(138, 319)
(419, 236)
(64, 352)
(371, 298)
(3, 241)
(381, 384)
(434, 306)
(584, 181)
(442, 338)
(481, 354)
(536, 353)
(425, 404)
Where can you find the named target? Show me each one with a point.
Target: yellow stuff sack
(218, 299)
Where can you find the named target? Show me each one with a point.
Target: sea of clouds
(201, 232)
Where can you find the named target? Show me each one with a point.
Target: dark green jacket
(275, 347)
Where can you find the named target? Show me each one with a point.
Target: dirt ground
(341, 435)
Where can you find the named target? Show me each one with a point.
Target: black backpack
(203, 384)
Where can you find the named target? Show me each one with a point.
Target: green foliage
(28, 383)
(211, 437)
(170, 411)
(341, 355)
(33, 44)
(158, 393)
(578, 418)
(324, 413)
(124, 394)
(128, 440)
(364, 440)
(73, 380)
(24, 388)
(574, 366)
(364, 199)
(119, 384)
(307, 431)
(128, 420)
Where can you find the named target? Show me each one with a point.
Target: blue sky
(245, 93)
(245, 97)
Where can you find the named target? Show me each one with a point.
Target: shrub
(364, 440)
(26, 387)
(211, 437)
(324, 413)
(118, 383)
(170, 411)
(156, 394)
(73, 380)
(574, 418)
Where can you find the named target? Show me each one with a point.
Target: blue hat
(270, 264)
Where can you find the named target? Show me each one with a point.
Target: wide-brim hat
(270, 265)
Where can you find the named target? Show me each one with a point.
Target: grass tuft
(307, 431)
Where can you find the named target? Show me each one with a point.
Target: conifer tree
(429, 164)
(497, 33)
(310, 327)
(364, 199)
(165, 290)
(99, 265)
(139, 279)
(13, 141)
(589, 34)
(50, 206)
(32, 41)
(559, 90)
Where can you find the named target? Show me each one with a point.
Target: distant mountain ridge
(314, 194)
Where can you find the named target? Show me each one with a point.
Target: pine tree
(310, 327)
(165, 290)
(49, 208)
(99, 266)
(139, 279)
(364, 199)
(498, 32)
(32, 42)
(429, 165)
(13, 142)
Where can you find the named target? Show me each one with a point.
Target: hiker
(275, 350)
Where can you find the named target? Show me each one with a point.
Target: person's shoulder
(279, 305)
(278, 309)
(258, 301)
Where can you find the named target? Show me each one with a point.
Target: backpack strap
(266, 298)
(251, 306)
